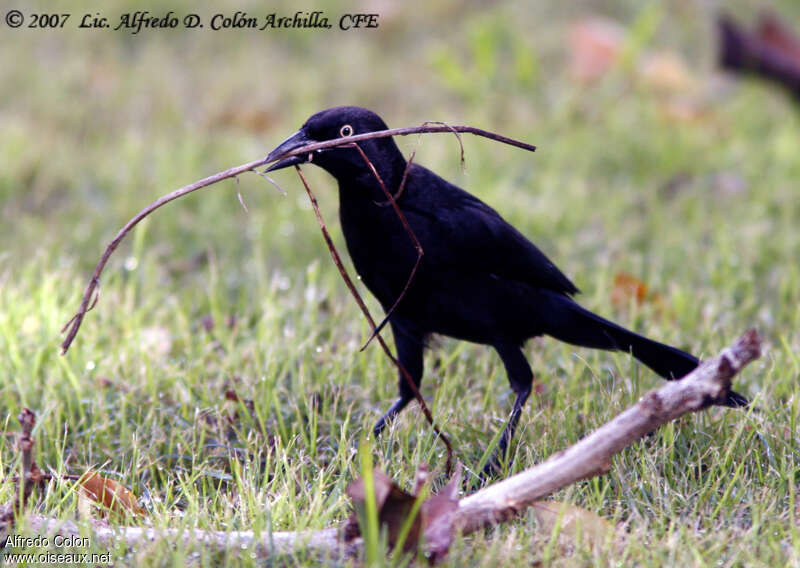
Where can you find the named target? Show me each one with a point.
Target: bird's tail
(571, 323)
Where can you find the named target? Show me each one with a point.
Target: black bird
(479, 280)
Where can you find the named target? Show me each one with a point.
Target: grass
(205, 298)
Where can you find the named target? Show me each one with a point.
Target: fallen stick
(324, 541)
(500, 502)
(708, 383)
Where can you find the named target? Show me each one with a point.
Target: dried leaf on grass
(108, 493)
(432, 528)
(394, 506)
(437, 518)
(595, 44)
(626, 288)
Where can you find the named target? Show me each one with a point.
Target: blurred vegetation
(667, 170)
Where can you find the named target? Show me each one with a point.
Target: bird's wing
(472, 235)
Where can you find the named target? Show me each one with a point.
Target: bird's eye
(346, 131)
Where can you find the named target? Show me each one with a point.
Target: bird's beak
(296, 140)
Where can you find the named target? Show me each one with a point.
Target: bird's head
(343, 162)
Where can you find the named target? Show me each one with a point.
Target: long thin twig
(412, 236)
(377, 329)
(427, 128)
(346, 277)
(420, 252)
(30, 476)
(391, 202)
(457, 134)
(410, 161)
(74, 324)
(402, 185)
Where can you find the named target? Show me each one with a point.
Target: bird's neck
(367, 187)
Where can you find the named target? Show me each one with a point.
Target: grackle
(479, 278)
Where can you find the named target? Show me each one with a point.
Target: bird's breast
(380, 248)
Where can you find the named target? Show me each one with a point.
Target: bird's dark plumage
(479, 280)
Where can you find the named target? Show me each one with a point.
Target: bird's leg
(521, 378)
(511, 426)
(409, 354)
(393, 411)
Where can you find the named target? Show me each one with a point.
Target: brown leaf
(393, 504)
(233, 396)
(626, 288)
(434, 521)
(437, 518)
(595, 45)
(108, 493)
(576, 524)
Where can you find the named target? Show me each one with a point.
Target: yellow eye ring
(346, 131)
